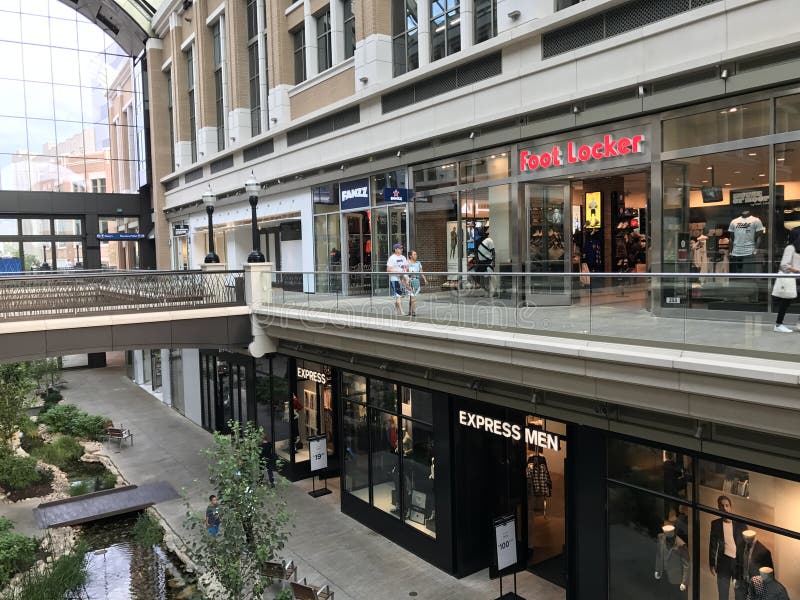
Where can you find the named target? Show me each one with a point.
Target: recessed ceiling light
(494, 156)
(723, 112)
(762, 174)
(727, 184)
(734, 109)
(704, 181)
(752, 154)
(709, 168)
(737, 172)
(781, 159)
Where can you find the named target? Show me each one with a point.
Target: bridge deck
(99, 505)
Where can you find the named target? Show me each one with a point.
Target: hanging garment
(538, 475)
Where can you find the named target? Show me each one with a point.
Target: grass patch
(59, 578)
(147, 531)
(64, 452)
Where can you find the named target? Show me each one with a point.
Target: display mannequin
(672, 564)
(747, 231)
(726, 535)
(765, 587)
(751, 555)
(408, 445)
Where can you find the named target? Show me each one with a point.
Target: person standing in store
(415, 270)
(726, 535)
(268, 459)
(785, 290)
(485, 255)
(396, 265)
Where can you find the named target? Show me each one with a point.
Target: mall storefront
(710, 190)
(431, 470)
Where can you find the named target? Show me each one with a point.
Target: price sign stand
(506, 553)
(318, 447)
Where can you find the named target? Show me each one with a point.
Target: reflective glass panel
(35, 226)
(385, 461)
(9, 227)
(383, 394)
(650, 467)
(416, 443)
(67, 226)
(356, 450)
(787, 113)
(712, 127)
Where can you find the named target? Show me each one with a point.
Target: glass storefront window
(715, 212)
(9, 257)
(430, 178)
(652, 468)
(176, 389)
(383, 394)
(384, 437)
(67, 227)
(417, 404)
(9, 227)
(787, 113)
(649, 557)
(37, 255)
(381, 181)
(787, 197)
(416, 443)
(494, 166)
(356, 450)
(324, 200)
(279, 388)
(35, 226)
(737, 122)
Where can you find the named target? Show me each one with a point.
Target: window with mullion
(324, 54)
(349, 28)
(485, 20)
(404, 36)
(219, 93)
(190, 97)
(445, 28)
(170, 117)
(252, 67)
(299, 49)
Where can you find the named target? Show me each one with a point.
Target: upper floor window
(445, 28)
(485, 20)
(253, 73)
(299, 48)
(219, 88)
(190, 97)
(562, 4)
(349, 18)
(405, 27)
(324, 54)
(170, 117)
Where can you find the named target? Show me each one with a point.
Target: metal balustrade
(47, 295)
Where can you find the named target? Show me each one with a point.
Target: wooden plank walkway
(99, 505)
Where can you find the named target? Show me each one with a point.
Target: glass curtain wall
(445, 28)
(405, 39)
(36, 244)
(65, 88)
(706, 525)
(226, 389)
(176, 389)
(389, 455)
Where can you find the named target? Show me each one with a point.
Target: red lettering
(608, 146)
(546, 160)
(571, 158)
(584, 153)
(624, 146)
(597, 150)
(523, 160)
(637, 141)
(557, 156)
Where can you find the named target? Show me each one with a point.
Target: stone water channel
(120, 569)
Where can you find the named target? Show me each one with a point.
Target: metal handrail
(635, 275)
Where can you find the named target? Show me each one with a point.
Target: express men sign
(534, 437)
(576, 153)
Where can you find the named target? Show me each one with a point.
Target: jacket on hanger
(538, 475)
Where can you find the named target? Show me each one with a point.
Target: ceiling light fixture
(723, 74)
(762, 174)
(733, 109)
(709, 168)
(752, 154)
(704, 181)
(727, 184)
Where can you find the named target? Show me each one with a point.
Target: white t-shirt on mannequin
(744, 230)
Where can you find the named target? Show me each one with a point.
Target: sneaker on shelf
(782, 329)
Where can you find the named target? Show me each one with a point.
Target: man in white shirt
(725, 536)
(396, 265)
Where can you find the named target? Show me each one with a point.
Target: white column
(166, 378)
(424, 33)
(312, 68)
(337, 32)
(263, 67)
(225, 96)
(467, 14)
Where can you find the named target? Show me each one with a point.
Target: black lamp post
(209, 199)
(78, 261)
(252, 188)
(45, 266)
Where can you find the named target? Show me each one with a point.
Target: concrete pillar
(263, 79)
(337, 32)
(467, 23)
(205, 93)
(180, 103)
(373, 55)
(424, 33)
(258, 292)
(312, 65)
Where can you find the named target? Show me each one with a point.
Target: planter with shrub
(20, 478)
(70, 420)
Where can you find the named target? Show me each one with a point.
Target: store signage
(396, 194)
(505, 539)
(354, 194)
(575, 153)
(318, 449)
(109, 237)
(180, 230)
(312, 375)
(754, 196)
(533, 436)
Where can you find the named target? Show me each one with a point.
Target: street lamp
(78, 261)
(45, 266)
(252, 188)
(209, 199)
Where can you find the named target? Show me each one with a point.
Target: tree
(255, 518)
(16, 385)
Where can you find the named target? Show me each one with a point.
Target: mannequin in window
(751, 555)
(726, 535)
(765, 587)
(408, 445)
(746, 231)
(672, 564)
(674, 482)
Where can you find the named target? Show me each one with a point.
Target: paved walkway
(326, 545)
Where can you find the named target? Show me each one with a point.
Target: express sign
(581, 153)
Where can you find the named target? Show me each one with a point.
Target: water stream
(120, 569)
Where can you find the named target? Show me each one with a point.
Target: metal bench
(305, 591)
(119, 435)
(279, 570)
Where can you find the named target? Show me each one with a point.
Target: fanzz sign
(576, 153)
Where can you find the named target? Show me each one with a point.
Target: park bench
(119, 435)
(279, 570)
(305, 591)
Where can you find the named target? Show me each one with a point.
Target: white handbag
(785, 287)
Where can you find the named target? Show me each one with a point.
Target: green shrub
(70, 420)
(106, 481)
(80, 488)
(64, 452)
(58, 579)
(146, 531)
(30, 436)
(5, 525)
(17, 554)
(18, 472)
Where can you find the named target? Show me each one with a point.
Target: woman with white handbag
(785, 289)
